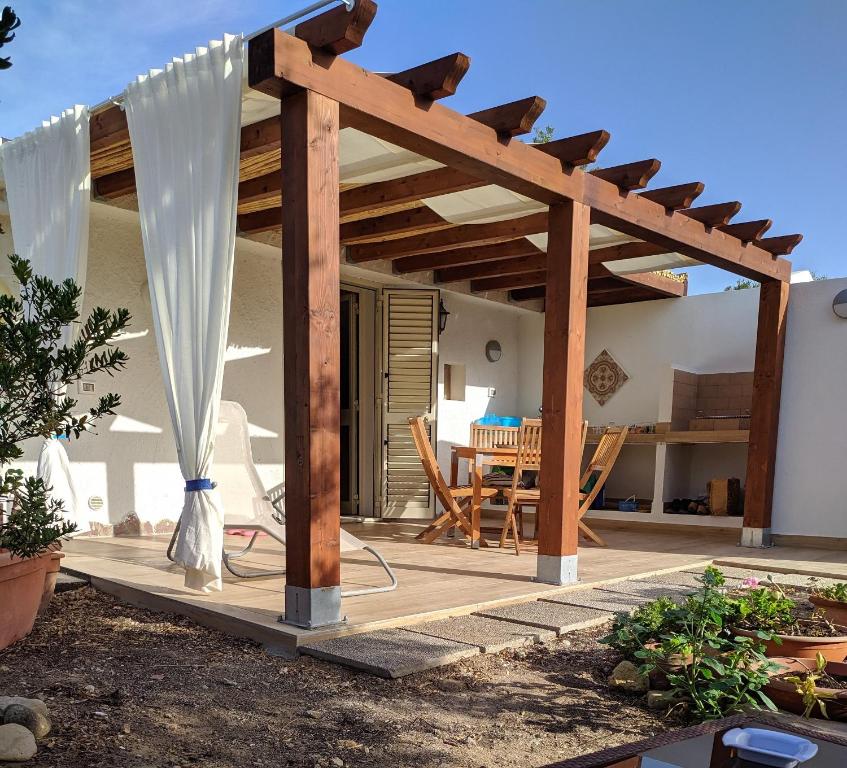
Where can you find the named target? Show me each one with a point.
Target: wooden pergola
(319, 93)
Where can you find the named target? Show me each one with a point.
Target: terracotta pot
(21, 590)
(800, 647)
(51, 572)
(835, 611)
(785, 696)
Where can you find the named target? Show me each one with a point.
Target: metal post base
(312, 608)
(556, 569)
(756, 537)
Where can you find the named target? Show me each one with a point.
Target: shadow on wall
(127, 476)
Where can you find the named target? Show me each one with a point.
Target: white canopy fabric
(54, 468)
(184, 124)
(48, 186)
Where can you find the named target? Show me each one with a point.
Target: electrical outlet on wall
(85, 387)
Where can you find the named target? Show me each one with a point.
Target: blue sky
(748, 96)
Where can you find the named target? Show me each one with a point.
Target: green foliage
(712, 671)
(807, 686)
(630, 633)
(765, 608)
(742, 284)
(36, 368)
(36, 521)
(8, 23)
(720, 675)
(658, 618)
(836, 592)
(543, 135)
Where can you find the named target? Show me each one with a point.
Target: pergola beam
(435, 79)
(466, 255)
(780, 245)
(513, 119)
(464, 236)
(505, 282)
(576, 150)
(716, 215)
(338, 30)
(497, 268)
(279, 62)
(675, 197)
(630, 175)
(653, 281)
(747, 231)
(392, 225)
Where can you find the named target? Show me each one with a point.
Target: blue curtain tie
(200, 484)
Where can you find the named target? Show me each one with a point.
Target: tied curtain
(184, 125)
(48, 187)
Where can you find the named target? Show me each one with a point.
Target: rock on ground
(36, 705)
(16, 743)
(627, 677)
(35, 722)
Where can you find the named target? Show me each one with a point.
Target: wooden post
(311, 340)
(764, 417)
(564, 359)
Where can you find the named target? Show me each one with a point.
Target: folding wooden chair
(596, 474)
(452, 498)
(528, 458)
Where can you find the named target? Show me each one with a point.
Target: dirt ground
(127, 687)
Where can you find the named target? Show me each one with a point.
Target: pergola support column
(764, 417)
(564, 359)
(311, 341)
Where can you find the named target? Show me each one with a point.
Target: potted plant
(795, 633)
(710, 672)
(810, 687)
(36, 368)
(832, 602)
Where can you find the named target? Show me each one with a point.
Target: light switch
(492, 391)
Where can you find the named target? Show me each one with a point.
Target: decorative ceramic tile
(604, 377)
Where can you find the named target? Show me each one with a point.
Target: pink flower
(751, 582)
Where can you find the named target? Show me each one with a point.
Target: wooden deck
(439, 580)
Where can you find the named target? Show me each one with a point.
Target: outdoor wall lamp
(839, 304)
(443, 314)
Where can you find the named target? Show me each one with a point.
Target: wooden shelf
(661, 518)
(705, 437)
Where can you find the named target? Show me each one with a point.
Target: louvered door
(410, 366)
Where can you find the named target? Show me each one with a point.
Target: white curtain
(184, 124)
(48, 185)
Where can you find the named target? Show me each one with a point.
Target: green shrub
(836, 592)
(36, 369)
(710, 670)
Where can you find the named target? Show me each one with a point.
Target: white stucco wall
(810, 492)
(131, 463)
(472, 323)
(710, 333)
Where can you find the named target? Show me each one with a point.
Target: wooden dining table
(478, 459)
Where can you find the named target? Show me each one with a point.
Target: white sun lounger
(249, 507)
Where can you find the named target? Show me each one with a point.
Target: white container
(773, 748)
